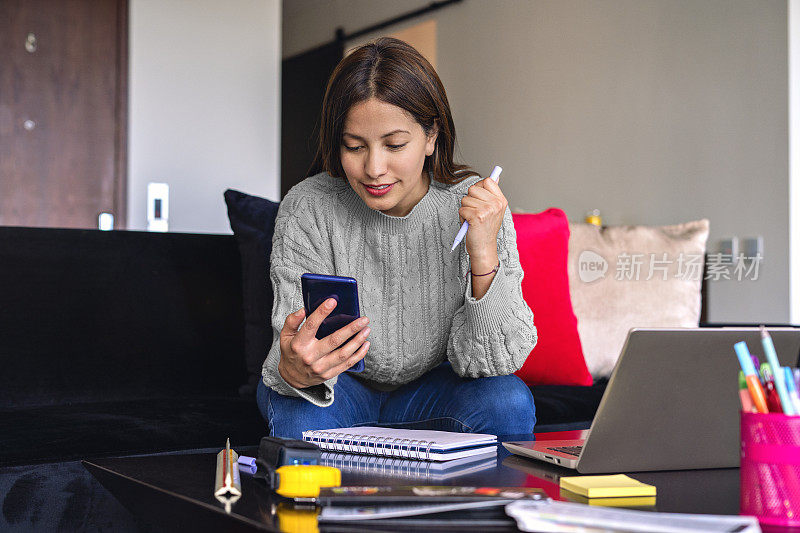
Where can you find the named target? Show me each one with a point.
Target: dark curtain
(303, 88)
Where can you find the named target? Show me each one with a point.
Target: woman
(446, 329)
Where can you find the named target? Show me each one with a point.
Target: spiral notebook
(412, 443)
(402, 467)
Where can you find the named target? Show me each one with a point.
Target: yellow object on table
(304, 481)
(631, 502)
(297, 520)
(614, 486)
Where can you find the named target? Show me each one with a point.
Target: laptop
(672, 403)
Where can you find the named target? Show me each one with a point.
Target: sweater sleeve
(494, 335)
(299, 245)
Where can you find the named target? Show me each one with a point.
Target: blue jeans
(440, 400)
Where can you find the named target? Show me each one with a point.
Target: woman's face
(384, 145)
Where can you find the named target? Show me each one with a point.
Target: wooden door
(63, 112)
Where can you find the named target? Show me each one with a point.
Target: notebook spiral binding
(411, 448)
(385, 466)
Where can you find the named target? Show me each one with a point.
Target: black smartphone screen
(319, 287)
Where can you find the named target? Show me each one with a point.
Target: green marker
(777, 373)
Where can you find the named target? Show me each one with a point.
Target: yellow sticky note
(633, 502)
(618, 485)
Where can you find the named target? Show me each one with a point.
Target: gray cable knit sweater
(411, 286)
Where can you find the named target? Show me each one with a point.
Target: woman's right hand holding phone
(306, 360)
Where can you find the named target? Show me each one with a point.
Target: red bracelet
(495, 269)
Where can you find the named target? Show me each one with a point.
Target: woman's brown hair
(394, 72)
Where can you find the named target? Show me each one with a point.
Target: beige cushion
(609, 298)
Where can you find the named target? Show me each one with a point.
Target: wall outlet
(753, 247)
(729, 248)
(158, 207)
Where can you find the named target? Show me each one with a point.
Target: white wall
(654, 111)
(204, 106)
(794, 137)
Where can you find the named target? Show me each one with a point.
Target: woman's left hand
(483, 207)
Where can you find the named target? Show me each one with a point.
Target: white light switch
(105, 222)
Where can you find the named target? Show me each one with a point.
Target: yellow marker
(304, 481)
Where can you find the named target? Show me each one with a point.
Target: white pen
(495, 175)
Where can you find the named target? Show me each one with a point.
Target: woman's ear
(430, 144)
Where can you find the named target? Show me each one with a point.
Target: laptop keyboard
(570, 450)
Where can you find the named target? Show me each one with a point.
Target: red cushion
(543, 245)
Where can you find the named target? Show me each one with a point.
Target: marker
(494, 176)
(744, 395)
(780, 383)
(757, 365)
(792, 388)
(773, 402)
(753, 384)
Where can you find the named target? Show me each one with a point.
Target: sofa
(125, 342)
(112, 343)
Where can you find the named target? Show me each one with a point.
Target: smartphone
(319, 287)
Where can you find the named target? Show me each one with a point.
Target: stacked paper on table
(417, 444)
(421, 506)
(553, 516)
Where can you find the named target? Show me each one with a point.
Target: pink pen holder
(770, 468)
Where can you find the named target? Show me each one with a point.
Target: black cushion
(561, 404)
(252, 220)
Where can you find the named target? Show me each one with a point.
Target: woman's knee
(508, 407)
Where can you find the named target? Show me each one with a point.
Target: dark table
(174, 491)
